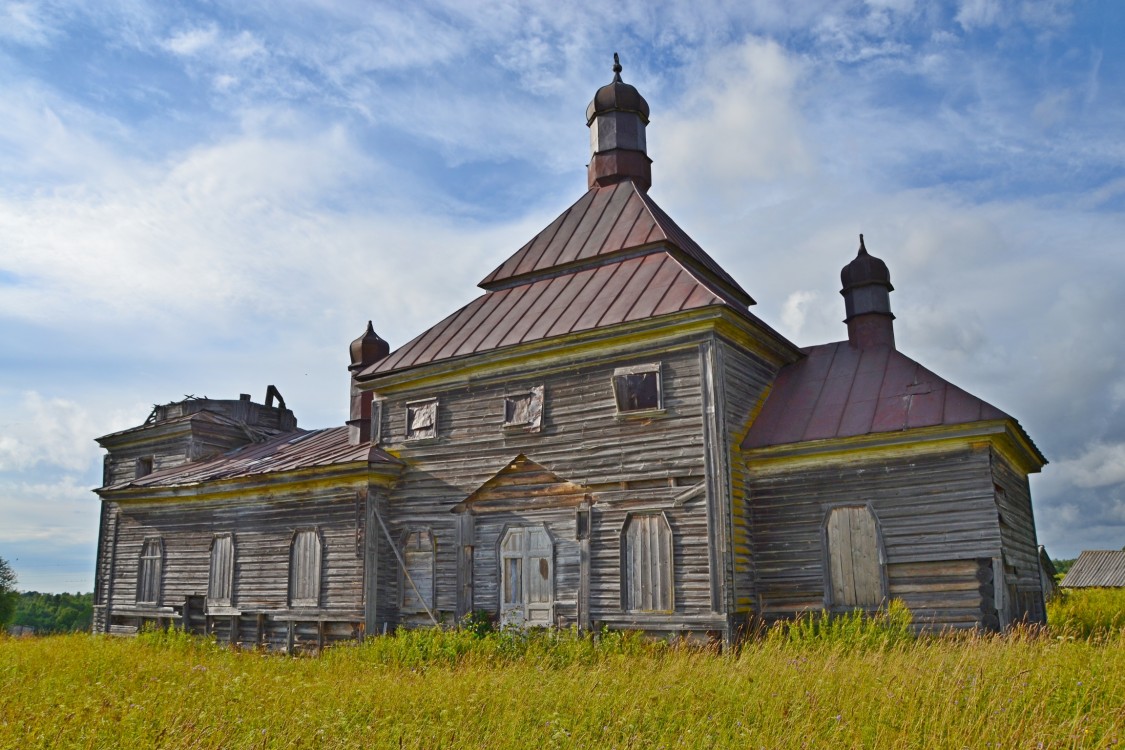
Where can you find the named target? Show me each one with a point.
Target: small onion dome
(368, 348)
(865, 269)
(617, 96)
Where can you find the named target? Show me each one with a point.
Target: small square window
(421, 419)
(638, 388)
(144, 467)
(524, 409)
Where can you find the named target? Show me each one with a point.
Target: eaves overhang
(561, 352)
(382, 474)
(1005, 435)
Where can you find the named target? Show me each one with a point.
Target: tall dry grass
(433, 689)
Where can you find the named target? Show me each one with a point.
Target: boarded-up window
(418, 554)
(637, 388)
(524, 409)
(527, 581)
(150, 570)
(855, 571)
(304, 569)
(646, 561)
(421, 419)
(220, 580)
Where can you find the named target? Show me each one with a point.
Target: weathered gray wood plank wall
(747, 376)
(1021, 547)
(584, 441)
(936, 516)
(263, 528)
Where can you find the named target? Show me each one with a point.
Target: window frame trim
(532, 425)
(406, 436)
(229, 600)
(159, 587)
(648, 411)
(293, 602)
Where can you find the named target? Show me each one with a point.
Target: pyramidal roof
(839, 390)
(607, 221)
(613, 257)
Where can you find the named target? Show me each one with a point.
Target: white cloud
(1100, 465)
(52, 431)
(26, 23)
(63, 511)
(794, 311)
(740, 125)
(192, 41)
(979, 13)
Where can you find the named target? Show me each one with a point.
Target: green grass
(847, 683)
(1087, 612)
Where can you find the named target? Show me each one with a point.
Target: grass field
(851, 684)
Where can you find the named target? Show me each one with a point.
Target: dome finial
(617, 69)
(862, 249)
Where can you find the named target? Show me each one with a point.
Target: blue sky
(208, 198)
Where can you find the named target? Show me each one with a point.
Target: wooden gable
(522, 485)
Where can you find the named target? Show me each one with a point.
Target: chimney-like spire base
(872, 330)
(611, 167)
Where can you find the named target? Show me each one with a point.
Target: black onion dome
(865, 269)
(368, 348)
(617, 96)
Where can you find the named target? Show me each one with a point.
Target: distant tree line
(54, 613)
(9, 598)
(1062, 566)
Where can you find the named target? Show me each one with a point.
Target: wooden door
(527, 577)
(855, 572)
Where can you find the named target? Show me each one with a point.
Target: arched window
(646, 563)
(418, 556)
(855, 571)
(150, 570)
(304, 568)
(220, 580)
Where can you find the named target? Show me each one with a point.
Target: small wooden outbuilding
(1096, 568)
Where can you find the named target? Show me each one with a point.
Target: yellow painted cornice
(357, 473)
(565, 352)
(1003, 435)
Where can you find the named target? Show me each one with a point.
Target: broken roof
(302, 449)
(839, 390)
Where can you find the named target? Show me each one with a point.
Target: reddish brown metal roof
(294, 450)
(606, 220)
(1097, 568)
(608, 294)
(839, 390)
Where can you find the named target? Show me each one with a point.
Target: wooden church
(606, 437)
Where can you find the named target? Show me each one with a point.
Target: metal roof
(1096, 569)
(302, 449)
(606, 220)
(619, 292)
(839, 390)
